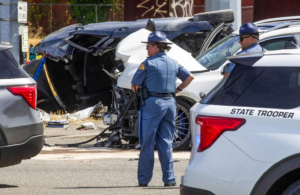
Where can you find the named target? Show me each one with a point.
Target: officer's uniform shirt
(255, 47)
(158, 73)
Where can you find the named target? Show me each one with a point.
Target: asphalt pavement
(85, 169)
(100, 176)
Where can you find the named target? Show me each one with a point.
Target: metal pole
(5, 14)
(96, 13)
(9, 26)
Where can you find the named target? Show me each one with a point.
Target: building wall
(199, 6)
(265, 9)
(143, 9)
(247, 11)
(139, 9)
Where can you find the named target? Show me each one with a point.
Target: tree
(103, 11)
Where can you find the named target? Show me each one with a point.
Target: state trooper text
(266, 113)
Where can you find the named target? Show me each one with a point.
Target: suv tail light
(28, 92)
(211, 128)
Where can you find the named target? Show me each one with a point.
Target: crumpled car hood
(132, 52)
(173, 27)
(51, 43)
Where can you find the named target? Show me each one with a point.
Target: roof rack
(278, 19)
(283, 26)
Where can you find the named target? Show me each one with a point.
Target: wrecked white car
(94, 63)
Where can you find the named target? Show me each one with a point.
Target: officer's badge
(142, 67)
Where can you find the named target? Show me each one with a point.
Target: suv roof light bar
(289, 18)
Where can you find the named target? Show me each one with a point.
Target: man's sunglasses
(242, 38)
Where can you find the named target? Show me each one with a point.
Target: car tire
(182, 135)
(216, 17)
(294, 188)
(16, 162)
(73, 69)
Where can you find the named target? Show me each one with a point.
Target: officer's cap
(248, 28)
(157, 37)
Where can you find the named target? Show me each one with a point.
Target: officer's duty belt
(154, 94)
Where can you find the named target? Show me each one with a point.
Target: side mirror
(202, 95)
(224, 69)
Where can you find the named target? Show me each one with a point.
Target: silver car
(21, 130)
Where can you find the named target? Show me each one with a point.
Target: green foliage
(44, 18)
(37, 12)
(78, 12)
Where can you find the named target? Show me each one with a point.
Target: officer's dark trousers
(158, 126)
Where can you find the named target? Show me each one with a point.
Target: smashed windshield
(216, 55)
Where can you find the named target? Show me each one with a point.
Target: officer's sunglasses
(149, 45)
(242, 38)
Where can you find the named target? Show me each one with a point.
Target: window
(267, 87)
(276, 87)
(280, 43)
(216, 55)
(9, 67)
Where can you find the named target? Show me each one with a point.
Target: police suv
(246, 132)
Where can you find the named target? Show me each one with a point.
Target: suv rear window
(267, 87)
(9, 67)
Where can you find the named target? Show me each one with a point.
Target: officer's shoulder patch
(142, 67)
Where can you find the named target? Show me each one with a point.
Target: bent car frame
(83, 67)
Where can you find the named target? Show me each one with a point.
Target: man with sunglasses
(249, 38)
(158, 73)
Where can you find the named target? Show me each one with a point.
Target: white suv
(246, 132)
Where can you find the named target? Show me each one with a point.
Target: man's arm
(226, 75)
(229, 69)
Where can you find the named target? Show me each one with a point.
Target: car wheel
(293, 189)
(216, 17)
(182, 135)
(16, 162)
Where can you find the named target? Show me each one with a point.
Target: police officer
(158, 74)
(249, 38)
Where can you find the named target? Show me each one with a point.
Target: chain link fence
(44, 19)
(47, 18)
(247, 14)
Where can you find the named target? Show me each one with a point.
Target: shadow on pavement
(158, 188)
(162, 188)
(7, 186)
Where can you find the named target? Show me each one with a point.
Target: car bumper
(184, 190)
(223, 165)
(13, 154)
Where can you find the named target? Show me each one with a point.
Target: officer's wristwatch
(178, 88)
